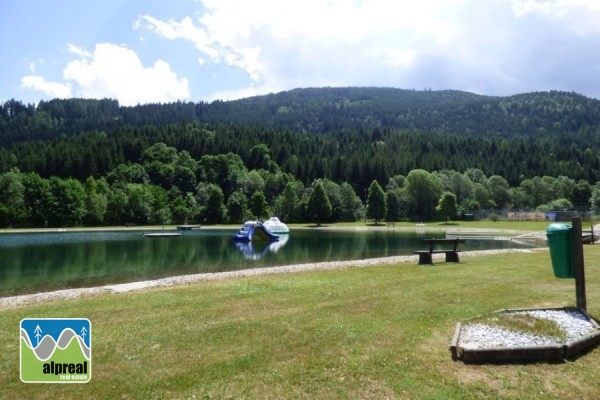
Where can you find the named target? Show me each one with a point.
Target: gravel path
(15, 301)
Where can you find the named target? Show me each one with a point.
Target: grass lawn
(501, 225)
(379, 332)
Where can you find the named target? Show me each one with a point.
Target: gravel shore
(15, 301)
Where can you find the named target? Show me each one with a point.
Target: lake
(39, 262)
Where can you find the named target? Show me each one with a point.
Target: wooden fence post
(578, 264)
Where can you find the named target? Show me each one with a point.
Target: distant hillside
(346, 134)
(325, 110)
(320, 111)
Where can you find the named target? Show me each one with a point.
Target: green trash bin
(560, 241)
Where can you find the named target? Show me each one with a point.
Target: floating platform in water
(188, 227)
(161, 234)
(254, 230)
(274, 225)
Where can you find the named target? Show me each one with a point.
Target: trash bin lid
(558, 228)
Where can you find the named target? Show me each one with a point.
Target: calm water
(36, 262)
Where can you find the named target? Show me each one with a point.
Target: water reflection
(257, 249)
(38, 262)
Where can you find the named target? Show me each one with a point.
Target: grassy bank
(462, 225)
(361, 333)
(453, 225)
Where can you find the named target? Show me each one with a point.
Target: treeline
(537, 148)
(353, 157)
(170, 186)
(357, 134)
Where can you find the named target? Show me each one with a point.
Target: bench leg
(452, 257)
(425, 258)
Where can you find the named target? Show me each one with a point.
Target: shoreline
(174, 281)
(235, 227)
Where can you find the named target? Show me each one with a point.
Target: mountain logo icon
(56, 350)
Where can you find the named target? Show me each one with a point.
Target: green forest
(305, 155)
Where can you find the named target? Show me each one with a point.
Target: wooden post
(578, 265)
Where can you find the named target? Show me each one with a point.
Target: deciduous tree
(319, 206)
(424, 191)
(258, 205)
(447, 207)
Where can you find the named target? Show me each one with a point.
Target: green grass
(463, 225)
(380, 332)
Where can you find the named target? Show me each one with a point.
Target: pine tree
(376, 204)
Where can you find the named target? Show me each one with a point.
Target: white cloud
(117, 72)
(212, 46)
(492, 46)
(51, 89)
(311, 43)
(246, 48)
(112, 71)
(78, 51)
(556, 8)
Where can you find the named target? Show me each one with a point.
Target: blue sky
(148, 51)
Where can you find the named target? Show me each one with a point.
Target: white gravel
(573, 323)
(14, 301)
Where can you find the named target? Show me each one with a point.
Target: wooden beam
(578, 265)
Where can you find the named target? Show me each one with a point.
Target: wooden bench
(425, 256)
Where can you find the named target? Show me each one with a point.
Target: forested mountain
(351, 136)
(326, 110)
(320, 110)
(380, 130)
(390, 130)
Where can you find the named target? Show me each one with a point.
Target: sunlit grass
(462, 225)
(361, 333)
